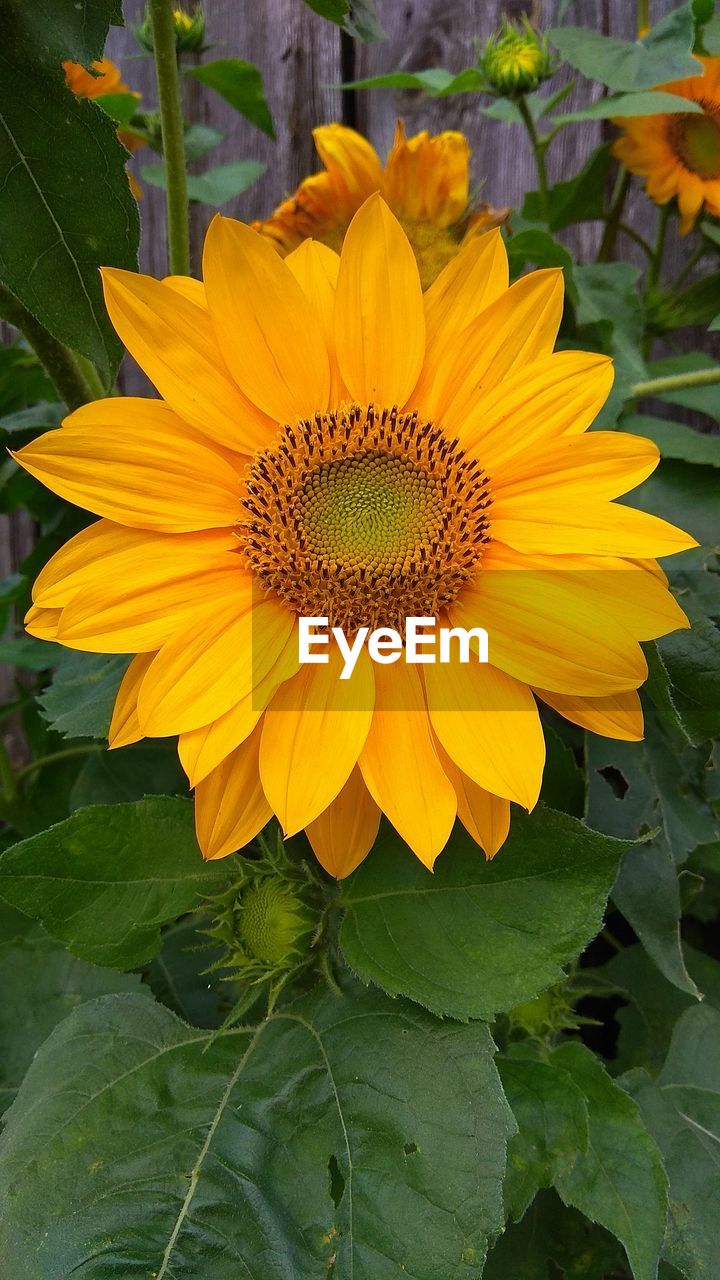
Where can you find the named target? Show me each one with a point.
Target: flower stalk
(539, 146)
(676, 382)
(61, 366)
(171, 119)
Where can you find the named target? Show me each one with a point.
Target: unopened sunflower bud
(189, 29)
(272, 923)
(516, 60)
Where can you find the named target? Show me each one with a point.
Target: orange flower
(104, 78)
(679, 154)
(425, 181)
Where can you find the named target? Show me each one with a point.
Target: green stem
(66, 754)
(171, 120)
(539, 146)
(635, 235)
(643, 15)
(91, 376)
(8, 783)
(614, 215)
(691, 262)
(676, 382)
(57, 360)
(656, 263)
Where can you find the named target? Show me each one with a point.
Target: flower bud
(189, 29)
(516, 60)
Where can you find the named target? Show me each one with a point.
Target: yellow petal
(351, 161)
(589, 527)
(559, 394)
(137, 463)
(230, 807)
(315, 267)
(602, 464)
(42, 623)
(193, 290)
(489, 725)
(427, 177)
(379, 320)
(201, 750)
(208, 667)
(471, 281)
(125, 726)
(401, 767)
(485, 817)
(345, 832)
(313, 732)
(173, 343)
(619, 716)
(520, 327)
(264, 323)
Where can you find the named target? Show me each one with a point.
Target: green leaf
(199, 139)
(121, 107)
(664, 54)
(435, 82)
(41, 984)
(675, 440)
(305, 1146)
(682, 1111)
(619, 1182)
(65, 203)
(580, 199)
(240, 84)
(650, 103)
(552, 1120)
(686, 495)
(105, 880)
(216, 186)
(478, 937)
(79, 701)
(357, 17)
(178, 975)
(648, 895)
(536, 246)
(609, 306)
(697, 304)
(29, 653)
(109, 777)
(53, 30)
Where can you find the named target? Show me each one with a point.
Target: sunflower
(679, 154)
(332, 443)
(104, 78)
(425, 181)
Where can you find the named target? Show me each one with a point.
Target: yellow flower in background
(425, 181)
(104, 78)
(679, 154)
(331, 442)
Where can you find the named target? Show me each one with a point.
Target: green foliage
(288, 1141)
(467, 915)
(625, 66)
(240, 84)
(357, 17)
(105, 880)
(215, 186)
(79, 700)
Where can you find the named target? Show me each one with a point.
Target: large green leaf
(650, 103)
(347, 1135)
(478, 937)
(240, 84)
(41, 984)
(624, 65)
(553, 1241)
(686, 495)
(682, 1111)
(214, 187)
(619, 1182)
(701, 399)
(107, 878)
(357, 17)
(552, 1119)
(675, 439)
(578, 199)
(609, 305)
(435, 82)
(65, 203)
(52, 30)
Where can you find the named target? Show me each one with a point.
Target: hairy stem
(58, 361)
(676, 382)
(539, 146)
(614, 216)
(171, 120)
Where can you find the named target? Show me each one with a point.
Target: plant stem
(171, 120)
(635, 235)
(643, 15)
(691, 262)
(676, 382)
(539, 146)
(656, 263)
(57, 360)
(8, 785)
(66, 754)
(614, 215)
(91, 376)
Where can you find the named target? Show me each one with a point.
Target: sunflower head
(516, 60)
(679, 154)
(188, 28)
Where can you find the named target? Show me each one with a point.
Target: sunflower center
(364, 516)
(696, 140)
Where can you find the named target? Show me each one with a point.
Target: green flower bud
(516, 60)
(189, 31)
(272, 923)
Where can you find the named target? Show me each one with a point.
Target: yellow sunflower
(330, 442)
(425, 181)
(679, 154)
